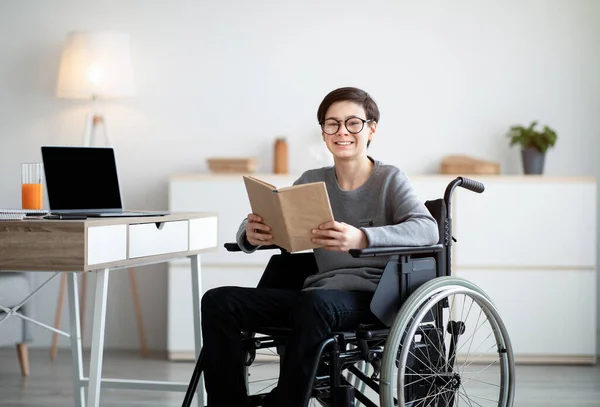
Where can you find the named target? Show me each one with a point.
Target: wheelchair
(440, 341)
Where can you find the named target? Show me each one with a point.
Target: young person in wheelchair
(373, 205)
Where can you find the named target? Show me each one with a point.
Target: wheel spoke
(424, 362)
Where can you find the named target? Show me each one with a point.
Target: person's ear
(372, 129)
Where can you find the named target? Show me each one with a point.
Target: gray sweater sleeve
(241, 240)
(412, 223)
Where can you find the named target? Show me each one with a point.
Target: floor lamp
(96, 65)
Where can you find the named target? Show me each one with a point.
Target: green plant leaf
(530, 137)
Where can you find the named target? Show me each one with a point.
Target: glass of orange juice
(31, 185)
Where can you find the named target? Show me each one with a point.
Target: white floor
(50, 382)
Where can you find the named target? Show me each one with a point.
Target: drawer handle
(159, 225)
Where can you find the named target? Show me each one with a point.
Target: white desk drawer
(106, 244)
(150, 239)
(203, 233)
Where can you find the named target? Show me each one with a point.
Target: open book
(291, 212)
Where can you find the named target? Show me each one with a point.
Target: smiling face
(343, 144)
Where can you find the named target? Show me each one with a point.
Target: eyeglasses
(354, 125)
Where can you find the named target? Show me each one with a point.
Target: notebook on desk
(84, 181)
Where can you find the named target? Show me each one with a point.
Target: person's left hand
(339, 236)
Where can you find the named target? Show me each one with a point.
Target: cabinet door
(180, 328)
(430, 188)
(550, 315)
(227, 197)
(527, 224)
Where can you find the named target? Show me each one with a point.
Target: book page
(264, 203)
(272, 187)
(304, 207)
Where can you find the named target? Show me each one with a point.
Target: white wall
(224, 78)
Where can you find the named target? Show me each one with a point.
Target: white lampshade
(96, 64)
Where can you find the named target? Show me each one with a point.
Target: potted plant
(534, 145)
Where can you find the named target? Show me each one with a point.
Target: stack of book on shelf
(19, 214)
(232, 165)
(463, 164)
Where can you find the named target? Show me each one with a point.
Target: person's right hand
(257, 233)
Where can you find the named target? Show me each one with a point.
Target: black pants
(312, 316)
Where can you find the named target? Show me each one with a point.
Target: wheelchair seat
(363, 331)
(420, 350)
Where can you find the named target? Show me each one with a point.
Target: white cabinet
(527, 223)
(226, 196)
(180, 328)
(549, 313)
(529, 242)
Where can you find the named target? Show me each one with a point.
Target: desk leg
(75, 337)
(98, 326)
(196, 293)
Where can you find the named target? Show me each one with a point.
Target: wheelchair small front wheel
(448, 346)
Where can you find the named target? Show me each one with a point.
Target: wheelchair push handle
(464, 182)
(472, 185)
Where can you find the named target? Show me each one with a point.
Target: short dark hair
(349, 94)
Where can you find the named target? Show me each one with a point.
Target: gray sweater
(385, 208)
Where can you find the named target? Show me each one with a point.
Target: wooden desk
(99, 246)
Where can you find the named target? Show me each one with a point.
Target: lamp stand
(93, 121)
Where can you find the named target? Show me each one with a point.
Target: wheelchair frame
(403, 294)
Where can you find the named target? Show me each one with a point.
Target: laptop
(83, 181)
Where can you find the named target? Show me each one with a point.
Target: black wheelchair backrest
(400, 279)
(437, 208)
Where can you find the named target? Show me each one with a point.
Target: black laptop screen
(81, 178)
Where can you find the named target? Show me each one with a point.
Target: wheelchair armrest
(234, 247)
(395, 250)
(368, 252)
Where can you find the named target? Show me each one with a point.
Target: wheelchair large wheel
(447, 347)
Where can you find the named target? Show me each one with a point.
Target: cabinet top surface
(421, 177)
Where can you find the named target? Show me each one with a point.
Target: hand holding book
(339, 237)
(257, 233)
